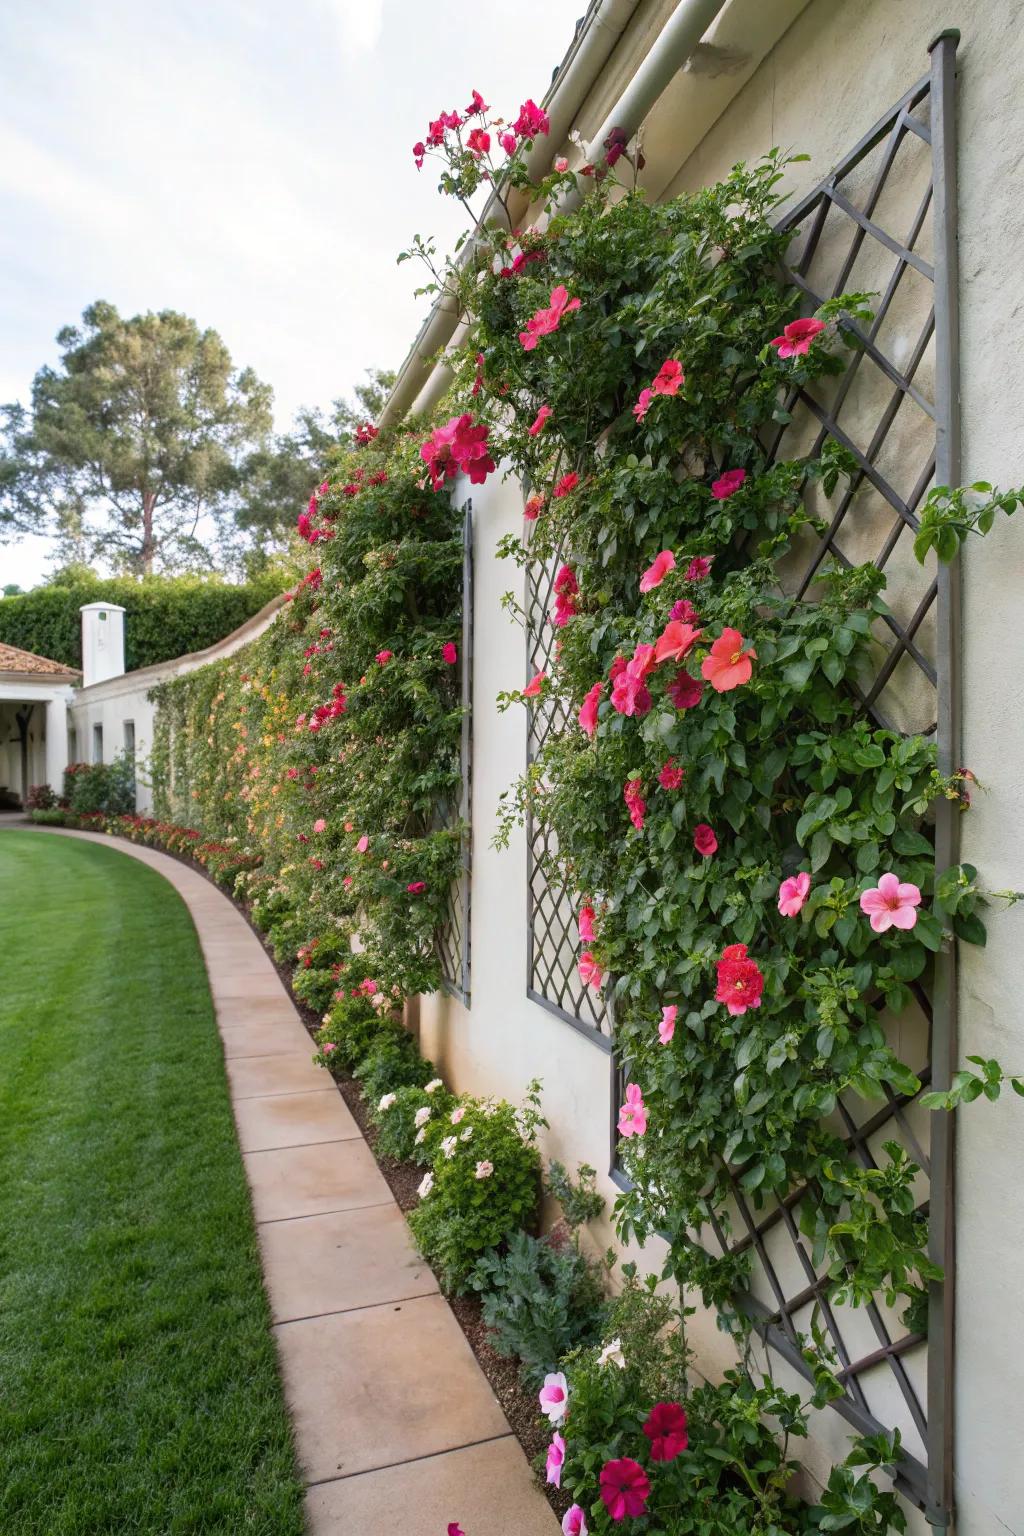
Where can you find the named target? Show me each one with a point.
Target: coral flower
(449, 654)
(567, 483)
(320, 825)
(704, 840)
(588, 709)
(665, 1428)
(675, 641)
(547, 320)
(644, 404)
(542, 416)
(574, 1521)
(671, 775)
(892, 903)
(535, 686)
(534, 507)
(670, 378)
(625, 1488)
(685, 691)
(740, 982)
(556, 1456)
(363, 844)
(667, 1027)
(728, 484)
(793, 893)
(590, 972)
(632, 1114)
(728, 664)
(585, 924)
(796, 337)
(655, 574)
(554, 1396)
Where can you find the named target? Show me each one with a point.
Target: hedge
(165, 616)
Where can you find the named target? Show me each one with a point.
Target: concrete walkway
(396, 1426)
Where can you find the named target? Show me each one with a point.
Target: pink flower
(547, 320)
(665, 1428)
(556, 1456)
(590, 972)
(793, 893)
(554, 1396)
(483, 1169)
(632, 794)
(478, 141)
(698, 568)
(670, 377)
(667, 1027)
(630, 694)
(531, 120)
(574, 1522)
(534, 507)
(671, 775)
(383, 657)
(625, 1488)
(740, 982)
(542, 416)
(535, 686)
(455, 1529)
(507, 142)
(632, 1114)
(449, 655)
(892, 903)
(567, 483)
(567, 590)
(675, 641)
(685, 612)
(588, 709)
(704, 840)
(419, 150)
(363, 844)
(457, 446)
(368, 987)
(655, 574)
(320, 825)
(644, 403)
(416, 887)
(476, 105)
(561, 164)
(796, 337)
(685, 691)
(728, 664)
(728, 484)
(585, 924)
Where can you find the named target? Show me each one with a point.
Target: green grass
(139, 1389)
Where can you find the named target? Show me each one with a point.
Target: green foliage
(578, 1197)
(540, 1298)
(106, 787)
(949, 514)
(402, 1126)
(164, 617)
(349, 1032)
(465, 1214)
(392, 1062)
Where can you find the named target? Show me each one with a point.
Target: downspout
(589, 52)
(671, 50)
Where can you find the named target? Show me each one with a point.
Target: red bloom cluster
(531, 121)
(630, 694)
(325, 712)
(567, 483)
(306, 526)
(632, 793)
(459, 446)
(740, 983)
(313, 580)
(366, 433)
(671, 775)
(566, 592)
(665, 1428)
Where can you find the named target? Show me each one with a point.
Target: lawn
(138, 1383)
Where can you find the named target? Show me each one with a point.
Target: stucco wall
(836, 70)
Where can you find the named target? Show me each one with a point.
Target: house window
(97, 743)
(72, 744)
(129, 739)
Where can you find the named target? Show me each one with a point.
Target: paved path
(396, 1426)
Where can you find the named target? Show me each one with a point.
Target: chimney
(102, 642)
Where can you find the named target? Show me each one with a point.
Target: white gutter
(589, 52)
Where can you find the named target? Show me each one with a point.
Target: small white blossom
(448, 1145)
(426, 1185)
(612, 1355)
(458, 1114)
(434, 1084)
(484, 1169)
(467, 1133)
(421, 1116)
(387, 1101)
(419, 1137)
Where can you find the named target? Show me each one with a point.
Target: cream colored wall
(836, 70)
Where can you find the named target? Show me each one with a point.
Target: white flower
(484, 1170)
(421, 1116)
(467, 1133)
(419, 1137)
(426, 1185)
(612, 1355)
(458, 1114)
(554, 1396)
(448, 1145)
(387, 1101)
(434, 1084)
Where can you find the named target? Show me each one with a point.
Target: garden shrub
(393, 1061)
(40, 798)
(402, 1125)
(105, 787)
(348, 1033)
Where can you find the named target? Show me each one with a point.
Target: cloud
(359, 24)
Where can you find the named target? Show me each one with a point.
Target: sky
(247, 162)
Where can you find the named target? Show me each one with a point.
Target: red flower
(419, 150)
(567, 483)
(625, 1488)
(669, 379)
(728, 664)
(698, 568)
(542, 416)
(704, 840)
(535, 686)
(479, 141)
(685, 691)
(665, 1428)
(671, 775)
(531, 121)
(675, 641)
(588, 709)
(566, 591)
(685, 612)
(630, 694)
(655, 574)
(507, 142)
(366, 433)
(449, 654)
(416, 887)
(740, 983)
(547, 320)
(644, 403)
(728, 484)
(796, 337)
(459, 445)
(534, 507)
(476, 105)
(590, 972)
(632, 794)
(585, 923)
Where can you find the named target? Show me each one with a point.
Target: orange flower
(728, 664)
(675, 640)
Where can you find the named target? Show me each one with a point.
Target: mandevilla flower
(554, 1396)
(892, 903)
(555, 1458)
(728, 664)
(740, 983)
(655, 574)
(665, 1428)
(667, 1027)
(625, 1488)
(796, 337)
(793, 893)
(633, 1113)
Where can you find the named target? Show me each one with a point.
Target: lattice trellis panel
(883, 222)
(453, 934)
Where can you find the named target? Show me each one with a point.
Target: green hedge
(165, 616)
